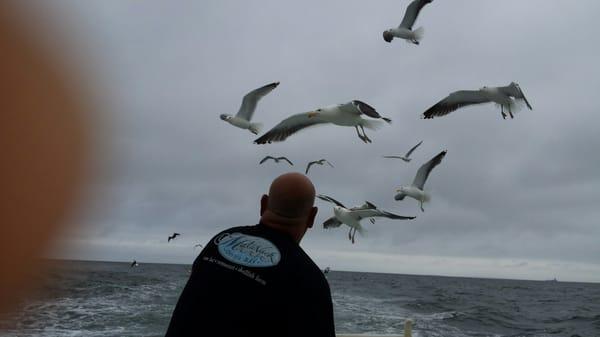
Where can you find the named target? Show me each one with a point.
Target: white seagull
(415, 190)
(352, 216)
(318, 162)
(347, 114)
(244, 115)
(506, 97)
(404, 31)
(407, 155)
(276, 159)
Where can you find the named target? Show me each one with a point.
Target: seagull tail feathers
(361, 230)
(419, 33)
(372, 124)
(255, 128)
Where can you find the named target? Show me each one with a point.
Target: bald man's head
(289, 204)
(291, 195)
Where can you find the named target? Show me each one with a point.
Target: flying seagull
(506, 97)
(326, 270)
(347, 114)
(319, 162)
(352, 216)
(415, 190)
(244, 115)
(172, 237)
(134, 264)
(276, 159)
(404, 31)
(407, 155)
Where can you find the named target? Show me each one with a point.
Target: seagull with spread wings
(318, 162)
(415, 190)
(244, 115)
(352, 216)
(276, 159)
(172, 237)
(507, 97)
(347, 114)
(405, 31)
(406, 157)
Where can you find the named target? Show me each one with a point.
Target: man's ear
(264, 204)
(312, 216)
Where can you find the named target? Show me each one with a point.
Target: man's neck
(287, 229)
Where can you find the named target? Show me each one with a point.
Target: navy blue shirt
(254, 281)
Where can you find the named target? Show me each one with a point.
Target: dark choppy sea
(111, 299)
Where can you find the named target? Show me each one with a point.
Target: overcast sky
(513, 198)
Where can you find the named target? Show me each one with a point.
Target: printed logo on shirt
(247, 250)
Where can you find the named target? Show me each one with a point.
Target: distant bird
(352, 216)
(347, 114)
(407, 155)
(404, 31)
(198, 245)
(244, 114)
(506, 97)
(415, 190)
(276, 159)
(172, 237)
(134, 264)
(326, 270)
(319, 162)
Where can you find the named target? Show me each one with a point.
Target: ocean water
(110, 299)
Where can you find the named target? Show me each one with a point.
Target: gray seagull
(318, 162)
(405, 31)
(407, 155)
(276, 159)
(347, 114)
(244, 114)
(506, 97)
(352, 216)
(415, 190)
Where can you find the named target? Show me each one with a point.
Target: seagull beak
(312, 114)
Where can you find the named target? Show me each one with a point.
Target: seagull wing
(284, 158)
(366, 109)
(515, 91)
(414, 148)
(265, 159)
(454, 101)
(366, 205)
(251, 99)
(328, 163)
(330, 199)
(394, 157)
(289, 126)
(332, 222)
(309, 165)
(377, 213)
(412, 12)
(425, 169)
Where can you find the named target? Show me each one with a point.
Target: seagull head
(337, 210)
(226, 117)
(387, 36)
